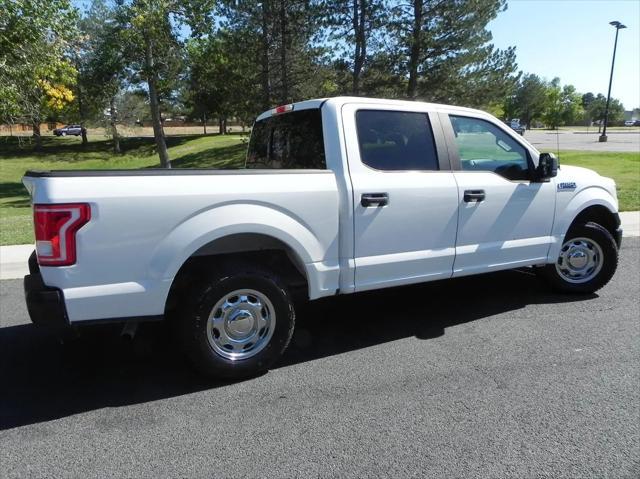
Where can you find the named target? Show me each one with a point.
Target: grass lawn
(624, 168)
(202, 152)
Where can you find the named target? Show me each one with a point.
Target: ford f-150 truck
(337, 196)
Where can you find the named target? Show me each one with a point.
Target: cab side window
(485, 147)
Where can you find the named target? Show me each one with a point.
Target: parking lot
(618, 140)
(491, 376)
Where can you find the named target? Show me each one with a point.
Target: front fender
(567, 211)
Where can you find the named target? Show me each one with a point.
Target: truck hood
(583, 178)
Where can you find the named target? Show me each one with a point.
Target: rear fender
(231, 219)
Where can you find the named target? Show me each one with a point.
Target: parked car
(516, 126)
(75, 130)
(632, 123)
(339, 196)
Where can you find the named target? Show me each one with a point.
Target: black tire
(195, 310)
(599, 235)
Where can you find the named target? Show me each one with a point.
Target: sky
(572, 40)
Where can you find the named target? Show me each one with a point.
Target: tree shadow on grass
(19, 197)
(69, 151)
(65, 150)
(43, 381)
(226, 157)
(10, 189)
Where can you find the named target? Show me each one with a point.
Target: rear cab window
(292, 140)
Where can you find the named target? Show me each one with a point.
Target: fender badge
(568, 185)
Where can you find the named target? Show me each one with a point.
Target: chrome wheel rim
(241, 324)
(580, 260)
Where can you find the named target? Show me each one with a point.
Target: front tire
(588, 260)
(237, 323)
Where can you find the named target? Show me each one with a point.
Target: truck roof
(341, 100)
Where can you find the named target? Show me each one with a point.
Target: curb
(13, 259)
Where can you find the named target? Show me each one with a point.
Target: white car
(339, 196)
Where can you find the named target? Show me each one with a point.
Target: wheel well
(264, 251)
(598, 214)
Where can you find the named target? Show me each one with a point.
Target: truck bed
(146, 223)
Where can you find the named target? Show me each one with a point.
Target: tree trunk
(415, 49)
(360, 54)
(222, 125)
(158, 132)
(83, 131)
(264, 73)
(114, 127)
(36, 133)
(283, 52)
(204, 123)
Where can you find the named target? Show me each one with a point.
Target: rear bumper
(45, 304)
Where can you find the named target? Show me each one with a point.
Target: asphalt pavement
(489, 377)
(552, 141)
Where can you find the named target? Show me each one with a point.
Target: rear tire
(588, 260)
(237, 323)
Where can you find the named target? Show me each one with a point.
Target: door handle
(374, 199)
(474, 196)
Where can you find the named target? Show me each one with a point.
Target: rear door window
(291, 140)
(396, 140)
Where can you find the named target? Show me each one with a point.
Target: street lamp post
(618, 26)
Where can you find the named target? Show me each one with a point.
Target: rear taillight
(56, 227)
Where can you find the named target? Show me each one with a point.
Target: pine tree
(446, 54)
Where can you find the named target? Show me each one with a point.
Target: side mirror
(547, 167)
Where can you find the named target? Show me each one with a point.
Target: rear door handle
(374, 199)
(474, 196)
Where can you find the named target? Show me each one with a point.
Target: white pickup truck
(338, 196)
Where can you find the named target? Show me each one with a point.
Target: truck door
(504, 218)
(405, 195)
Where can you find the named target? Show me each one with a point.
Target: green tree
(564, 105)
(528, 102)
(552, 115)
(154, 47)
(446, 53)
(572, 109)
(596, 108)
(102, 65)
(284, 62)
(36, 75)
(355, 26)
(221, 78)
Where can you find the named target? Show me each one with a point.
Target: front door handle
(374, 199)
(474, 196)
